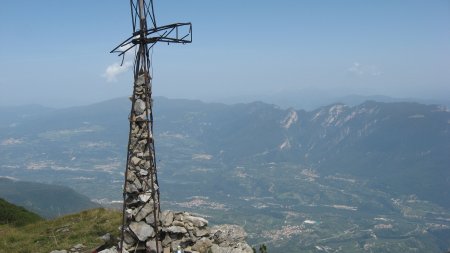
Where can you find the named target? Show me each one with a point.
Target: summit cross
(140, 231)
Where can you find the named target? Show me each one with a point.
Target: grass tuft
(61, 233)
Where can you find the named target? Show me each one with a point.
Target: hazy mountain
(402, 146)
(312, 98)
(46, 200)
(369, 176)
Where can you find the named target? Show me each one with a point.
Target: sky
(56, 53)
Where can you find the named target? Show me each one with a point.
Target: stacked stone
(141, 198)
(192, 234)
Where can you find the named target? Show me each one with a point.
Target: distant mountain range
(375, 173)
(400, 146)
(313, 98)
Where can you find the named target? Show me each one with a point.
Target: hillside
(374, 173)
(47, 200)
(15, 215)
(62, 233)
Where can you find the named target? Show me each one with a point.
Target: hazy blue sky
(55, 52)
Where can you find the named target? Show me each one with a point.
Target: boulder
(197, 221)
(128, 238)
(144, 197)
(106, 237)
(238, 249)
(166, 218)
(111, 250)
(145, 210)
(202, 245)
(139, 106)
(201, 232)
(176, 230)
(228, 235)
(140, 80)
(135, 160)
(151, 246)
(142, 230)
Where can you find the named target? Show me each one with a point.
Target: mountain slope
(62, 233)
(46, 200)
(15, 215)
(401, 146)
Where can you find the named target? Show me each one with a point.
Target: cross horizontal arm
(173, 33)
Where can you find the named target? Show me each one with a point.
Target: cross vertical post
(141, 202)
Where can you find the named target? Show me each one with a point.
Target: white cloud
(112, 71)
(363, 70)
(355, 69)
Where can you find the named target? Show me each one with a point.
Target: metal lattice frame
(141, 204)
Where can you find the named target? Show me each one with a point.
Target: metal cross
(141, 205)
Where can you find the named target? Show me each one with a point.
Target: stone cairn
(192, 234)
(140, 230)
(189, 233)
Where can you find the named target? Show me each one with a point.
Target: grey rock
(166, 218)
(135, 160)
(139, 106)
(127, 247)
(142, 230)
(141, 117)
(183, 243)
(144, 197)
(192, 236)
(228, 235)
(145, 210)
(202, 245)
(59, 251)
(150, 219)
(218, 249)
(137, 184)
(151, 246)
(131, 188)
(78, 247)
(106, 237)
(111, 250)
(201, 232)
(131, 200)
(143, 172)
(196, 221)
(178, 223)
(189, 226)
(146, 165)
(176, 230)
(129, 213)
(180, 216)
(167, 240)
(131, 176)
(140, 80)
(244, 247)
(128, 238)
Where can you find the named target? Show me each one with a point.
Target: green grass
(61, 233)
(16, 215)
